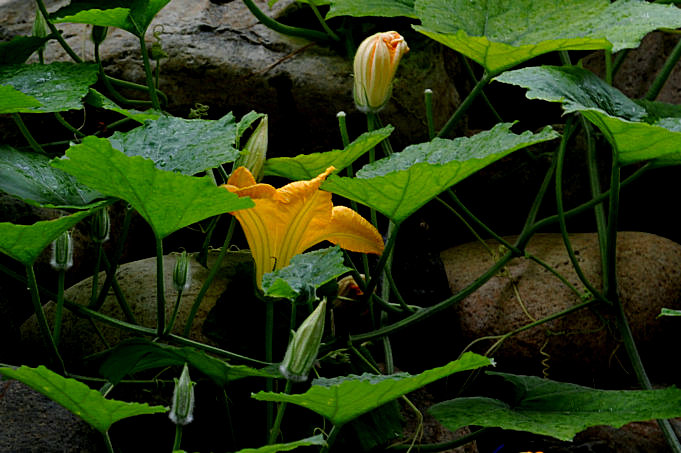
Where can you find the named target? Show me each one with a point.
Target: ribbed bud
(182, 410)
(40, 28)
(99, 34)
(375, 64)
(182, 274)
(254, 152)
(62, 252)
(100, 224)
(304, 346)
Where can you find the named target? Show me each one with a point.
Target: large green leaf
(29, 176)
(78, 398)
(137, 355)
(177, 144)
(500, 34)
(24, 243)
(97, 99)
(344, 398)
(19, 48)
(57, 86)
(130, 15)
(308, 166)
(314, 440)
(400, 184)
(557, 409)
(637, 132)
(167, 200)
(14, 101)
(377, 8)
(305, 274)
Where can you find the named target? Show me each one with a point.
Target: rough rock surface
(137, 282)
(221, 56)
(583, 346)
(32, 423)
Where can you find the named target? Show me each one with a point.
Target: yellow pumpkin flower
(287, 221)
(375, 64)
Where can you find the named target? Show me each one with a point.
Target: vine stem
(150, 77)
(107, 442)
(663, 75)
(57, 33)
(211, 276)
(178, 437)
(60, 306)
(561, 212)
(331, 438)
(27, 134)
(160, 288)
(42, 320)
(95, 275)
(276, 427)
(266, 20)
(463, 107)
(610, 287)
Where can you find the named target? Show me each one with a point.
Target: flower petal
(347, 229)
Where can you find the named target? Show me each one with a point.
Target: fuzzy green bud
(40, 28)
(99, 34)
(375, 64)
(62, 252)
(255, 151)
(304, 346)
(100, 224)
(182, 410)
(182, 274)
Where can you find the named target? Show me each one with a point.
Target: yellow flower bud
(375, 65)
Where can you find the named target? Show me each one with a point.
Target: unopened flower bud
(304, 346)
(100, 225)
(99, 34)
(40, 29)
(375, 64)
(182, 274)
(255, 151)
(182, 410)
(62, 252)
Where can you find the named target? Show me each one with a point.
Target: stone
(583, 346)
(137, 281)
(221, 56)
(32, 423)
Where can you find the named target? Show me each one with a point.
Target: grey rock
(583, 346)
(221, 56)
(32, 423)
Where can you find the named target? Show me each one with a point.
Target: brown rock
(582, 346)
(138, 283)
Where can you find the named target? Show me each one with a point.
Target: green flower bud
(100, 224)
(182, 274)
(182, 410)
(304, 346)
(40, 28)
(375, 64)
(62, 252)
(99, 34)
(255, 151)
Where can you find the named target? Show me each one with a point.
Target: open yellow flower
(287, 221)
